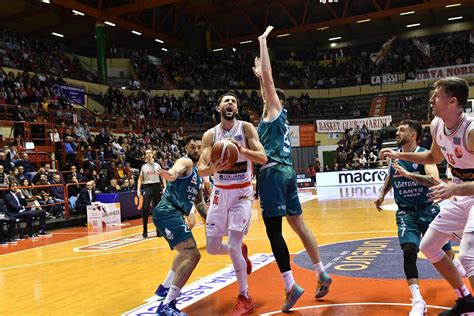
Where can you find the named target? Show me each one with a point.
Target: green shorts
(278, 191)
(171, 225)
(412, 224)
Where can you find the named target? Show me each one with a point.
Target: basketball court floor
(115, 272)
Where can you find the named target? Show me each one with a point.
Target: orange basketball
(226, 151)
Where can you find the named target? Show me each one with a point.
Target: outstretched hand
(265, 34)
(442, 191)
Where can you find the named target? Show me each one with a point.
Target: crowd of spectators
(40, 56)
(359, 149)
(348, 66)
(149, 74)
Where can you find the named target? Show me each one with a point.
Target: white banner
(387, 78)
(350, 177)
(103, 214)
(295, 135)
(441, 72)
(339, 126)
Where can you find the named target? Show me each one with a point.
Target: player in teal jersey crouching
(183, 189)
(415, 210)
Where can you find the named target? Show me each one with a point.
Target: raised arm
(430, 179)
(269, 93)
(179, 168)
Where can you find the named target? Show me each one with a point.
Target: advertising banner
(302, 135)
(103, 214)
(339, 126)
(465, 70)
(73, 94)
(351, 177)
(387, 79)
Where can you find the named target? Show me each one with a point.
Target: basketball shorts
(456, 217)
(278, 191)
(413, 224)
(230, 209)
(171, 225)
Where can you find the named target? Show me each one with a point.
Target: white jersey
(453, 145)
(241, 172)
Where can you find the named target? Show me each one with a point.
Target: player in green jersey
(277, 183)
(183, 189)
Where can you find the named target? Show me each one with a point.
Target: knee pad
(410, 253)
(431, 250)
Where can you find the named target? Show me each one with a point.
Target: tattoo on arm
(200, 205)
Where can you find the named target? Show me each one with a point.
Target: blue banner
(73, 94)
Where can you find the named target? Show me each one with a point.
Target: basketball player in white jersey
(231, 198)
(453, 140)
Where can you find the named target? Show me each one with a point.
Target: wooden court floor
(84, 272)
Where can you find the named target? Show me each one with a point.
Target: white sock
(172, 294)
(169, 279)
(289, 280)
(244, 292)
(463, 291)
(415, 292)
(319, 268)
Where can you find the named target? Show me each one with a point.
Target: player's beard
(194, 158)
(402, 141)
(228, 117)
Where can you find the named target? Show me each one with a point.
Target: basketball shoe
(169, 310)
(323, 285)
(418, 308)
(464, 306)
(162, 291)
(244, 306)
(292, 297)
(246, 257)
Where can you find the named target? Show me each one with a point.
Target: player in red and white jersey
(453, 140)
(231, 198)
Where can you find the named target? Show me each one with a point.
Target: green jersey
(275, 138)
(181, 193)
(408, 192)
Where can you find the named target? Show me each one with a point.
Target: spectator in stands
(21, 174)
(57, 194)
(73, 187)
(117, 148)
(15, 203)
(3, 181)
(28, 167)
(71, 148)
(125, 187)
(32, 200)
(86, 197)
(113, 187)
(18, 123)
(7, 166)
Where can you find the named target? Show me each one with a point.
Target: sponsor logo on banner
(199, 290)
(372, 176)
(387, 79)
(73, 94)
(379, 258)
(441, 72)
(339, 126)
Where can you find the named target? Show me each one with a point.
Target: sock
(169, 279)
(244, 292)
(319, 268)
(172, 294)
(462, 291)
(289, 280)
(415, 292)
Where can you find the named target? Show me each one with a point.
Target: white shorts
(456, 217)
(230, 209)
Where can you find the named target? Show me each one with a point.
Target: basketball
(226, 151)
